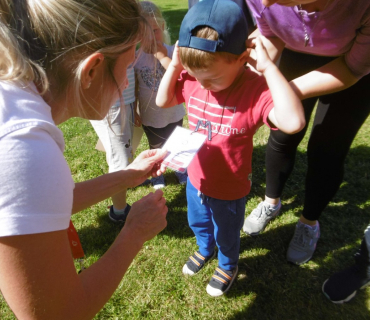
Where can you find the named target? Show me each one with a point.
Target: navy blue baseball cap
(224, 16)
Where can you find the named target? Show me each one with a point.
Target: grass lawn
(267, 286)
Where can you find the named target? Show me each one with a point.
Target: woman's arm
(332, 77)
(287, 114)
(166, 96)
(38, 278)
(95, 190)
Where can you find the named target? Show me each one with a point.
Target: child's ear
(243, 58)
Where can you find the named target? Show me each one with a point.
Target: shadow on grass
(98, 237)
(277, 289)
(273, 288)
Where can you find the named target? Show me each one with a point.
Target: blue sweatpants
(216, 222)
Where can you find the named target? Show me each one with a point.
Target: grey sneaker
(256, 222)
(303, 244)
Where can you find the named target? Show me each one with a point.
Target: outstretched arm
(92, 191)
(166, 96)
(332, 77)
(287, 114)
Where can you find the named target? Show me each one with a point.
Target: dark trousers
(158, 136)
(362, 257)
(338, 118)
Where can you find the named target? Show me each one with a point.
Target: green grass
(267, 286)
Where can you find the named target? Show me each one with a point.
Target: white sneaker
(256, 222)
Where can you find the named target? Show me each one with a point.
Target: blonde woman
(62, 59)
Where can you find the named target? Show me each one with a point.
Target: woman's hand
(146, 164)
(147, 217)
(89, 192)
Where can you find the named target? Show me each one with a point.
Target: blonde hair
(195, 59)
(151, 11)
(47, 41)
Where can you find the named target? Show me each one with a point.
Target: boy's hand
(263, 60)
(176, 63)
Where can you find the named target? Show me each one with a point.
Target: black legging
(362, 256)
(158, 136)
(338, 118)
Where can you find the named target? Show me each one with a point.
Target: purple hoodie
(343, 28)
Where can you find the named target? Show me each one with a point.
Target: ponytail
(16, 64)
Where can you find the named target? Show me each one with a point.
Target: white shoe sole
(217, 292)
(340, 301)
(158, 186)
(350, 297)
(187, 271)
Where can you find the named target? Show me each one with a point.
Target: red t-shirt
(222, 168)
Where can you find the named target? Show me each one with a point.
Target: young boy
(227, 102)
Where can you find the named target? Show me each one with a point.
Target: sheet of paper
(182, 146)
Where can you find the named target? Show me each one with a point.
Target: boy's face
(219, 76)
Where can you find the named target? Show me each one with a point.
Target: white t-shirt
(36, 186)
(149, 75)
